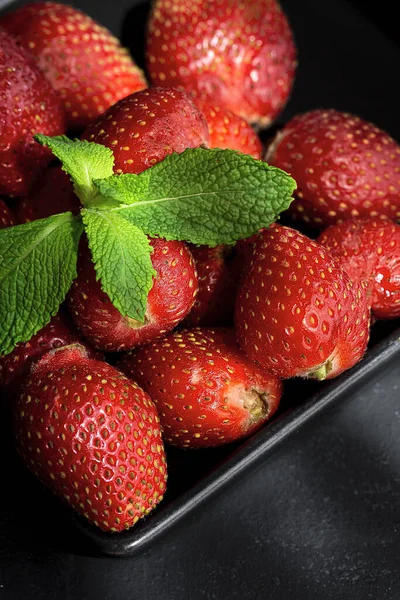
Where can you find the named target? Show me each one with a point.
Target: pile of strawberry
(147, 293)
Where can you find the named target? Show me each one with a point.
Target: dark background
(320, 520)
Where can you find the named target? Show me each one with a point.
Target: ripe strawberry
(14, 366)
(92, 436)
(81, 59)
(369, 250)
(169, 300)
(6, 216)
(142, 130)
(145, 127)
(227, 130)
(206, 391)
(239, 54)
(28, 105)
(297, 312)
(344, 167)
(51, 194)
(218, 271)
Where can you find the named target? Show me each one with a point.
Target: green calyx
(207, 197)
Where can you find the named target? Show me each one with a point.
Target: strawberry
(344, 167)
(51, 194)
(241, 55)
(7, 218)
(81, 59)
(145, 127)
(142, 130)
(297, 312)
(92, 436)
(28, 105)
(169, 300)
(368, 250)
(218, 271)
(228, 130)
(206, 391)
(59, 332)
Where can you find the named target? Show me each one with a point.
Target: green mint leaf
(37, 267)
(122, 256)
(83, 161)
(124, 189)
(208, 197)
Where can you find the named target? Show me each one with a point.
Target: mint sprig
(37, 268)
(202, 196)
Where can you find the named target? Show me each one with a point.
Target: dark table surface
(320, 519)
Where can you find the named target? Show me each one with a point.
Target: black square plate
(345, 62)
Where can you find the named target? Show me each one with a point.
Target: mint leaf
(83, 161)
(203, 196)
(122, 256)
(124, 189)
(37, 267)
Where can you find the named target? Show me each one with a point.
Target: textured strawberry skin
(169, 301)
(241, 55)
(7, 218)
(50, 195)
(81, 59)
(93, 437)
(294, 305)
(228, 130)
(28, 105)
(218, 271)
(368, 250)
(145, 127)
(59, 332)
(354, 335)
(206, 391)
(344, 167)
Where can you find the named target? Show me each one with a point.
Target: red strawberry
(241, 55)
(59, 332)
(344, 167)
(227, 130)
(28, 105)
(6, 216)
(82, 60)
(51, 194)
(218, 270)
(207, 392)
(297, 312)
(142, 130)
(169, 300)
(93, 437)
(145, 127)
(369, 250)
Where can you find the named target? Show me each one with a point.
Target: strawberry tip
(135, 323)
(321, 372)
(256, 403)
